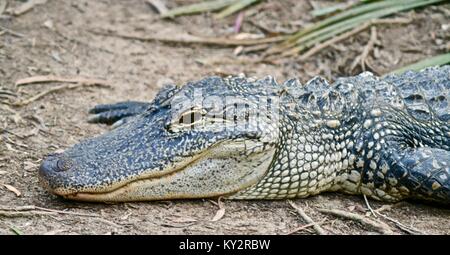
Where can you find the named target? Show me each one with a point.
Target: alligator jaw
(123, 186)
(173, 186)
(182, 181)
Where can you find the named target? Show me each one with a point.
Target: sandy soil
(59, 38)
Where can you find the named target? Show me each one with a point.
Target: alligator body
(242, 138)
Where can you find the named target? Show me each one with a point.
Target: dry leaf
(238, 50)
(220, 213)
(159, 6)
(3, 172)
(12, 189)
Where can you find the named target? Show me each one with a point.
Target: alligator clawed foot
(116, 114)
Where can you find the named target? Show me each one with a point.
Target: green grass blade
(357, 10)
(434, 61)
(16, 231)
(330, 31)
(346, 14)
(331, 9)
(199, 7)
(239, 5)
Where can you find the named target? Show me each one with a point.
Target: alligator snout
(54, 170)
(55, 163)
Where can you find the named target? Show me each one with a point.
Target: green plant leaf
(433, 61)
(199, 7)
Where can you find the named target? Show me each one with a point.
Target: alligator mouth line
(91, 194)
(103, 191)
(124, 186)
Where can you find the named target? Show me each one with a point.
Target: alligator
(238, 137)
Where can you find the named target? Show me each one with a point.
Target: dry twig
(409, 230)
(302, 213)
(368, 206)
(376, 225)
(192, 39)
(49, 91)
(295, 230)
(369, 47)
(53, 78)
(13, 214)
(30, 210)
(11, 32)
(388, 207)
(80, 82)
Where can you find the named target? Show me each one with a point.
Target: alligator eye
(190, 117)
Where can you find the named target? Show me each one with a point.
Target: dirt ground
(59, 38)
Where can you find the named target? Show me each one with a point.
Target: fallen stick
(18, 208)
(409, 230)
(7, 93)
(80, 82)
(368, 206)
(302, 213)
(37, 209)
(13, 214)
(388, 207)
(365, 53)
(192, 39)
(378, 226)
(11, 32)
(53, 78)
(49, 91)
(66, 212)
(295, 230)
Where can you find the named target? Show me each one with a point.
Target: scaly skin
(387, 138)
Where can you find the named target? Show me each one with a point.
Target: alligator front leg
(119, 113)
(425, 172)
(418, 173)
(116, 113)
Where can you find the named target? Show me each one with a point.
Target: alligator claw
(121, 122)
(111, 113)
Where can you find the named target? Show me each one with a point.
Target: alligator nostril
(63, 165)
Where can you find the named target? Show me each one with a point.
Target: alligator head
(209, 138)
